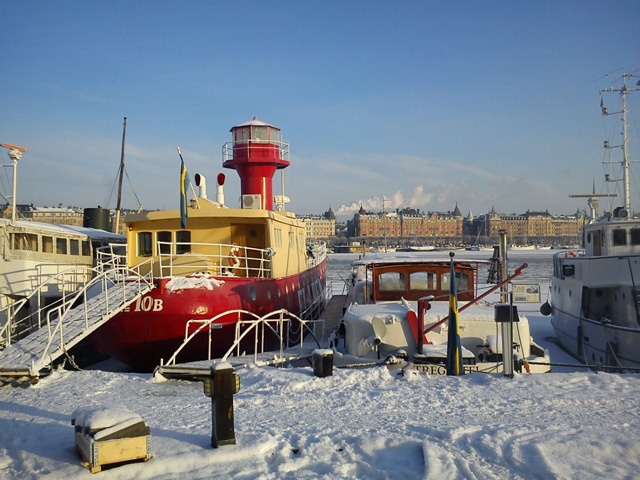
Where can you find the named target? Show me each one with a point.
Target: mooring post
(322, 360)
(506, 314)
(221, 385)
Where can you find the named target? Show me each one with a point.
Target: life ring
(234, 260)
(570, 254)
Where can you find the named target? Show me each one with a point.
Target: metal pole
(15, 159)
(117, 224)
(504, 270)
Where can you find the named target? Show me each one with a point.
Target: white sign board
(525, 292)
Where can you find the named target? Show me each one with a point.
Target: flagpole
(454, 348)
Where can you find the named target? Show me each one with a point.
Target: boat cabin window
(391, 282)
(86, 248)
(619, 236)
(422, 281)
(183, 242)
(164, 243)
(144, 244)
(61, 246)
(24, 241)
(462, 281)
(635, 236)
(74, 247)
(47, 244)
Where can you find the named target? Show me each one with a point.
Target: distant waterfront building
(320, 226)
(528, 225)
(58, 215)
(407, 222)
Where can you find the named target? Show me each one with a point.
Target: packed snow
(197, 281)
(367, 423)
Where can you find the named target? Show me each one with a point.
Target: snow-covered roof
(55, 228)
(410, 257)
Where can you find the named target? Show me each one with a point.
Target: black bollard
(322, 362)
(221, 386)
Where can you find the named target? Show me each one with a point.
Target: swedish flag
(454, 349)
(184, 183)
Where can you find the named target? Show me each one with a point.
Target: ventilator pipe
(219, 190)
(201, 182)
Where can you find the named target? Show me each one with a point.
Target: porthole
(286, 289)
(269, 293)
(615, 297)
(252, 292)
(569, 293)
(279, 291)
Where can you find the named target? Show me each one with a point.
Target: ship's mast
(625, 158)
(116, 227)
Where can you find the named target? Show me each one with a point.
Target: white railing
(278, 323)
(247, 262)
(257, 146)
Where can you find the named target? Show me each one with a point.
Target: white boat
(595, 291)
(382, 316)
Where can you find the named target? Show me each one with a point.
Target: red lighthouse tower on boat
(256, 152)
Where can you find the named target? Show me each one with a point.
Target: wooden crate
(95, 454)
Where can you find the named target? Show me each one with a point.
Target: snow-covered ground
(369, 423)
(357, 424)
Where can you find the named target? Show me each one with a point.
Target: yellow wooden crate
(95, 454)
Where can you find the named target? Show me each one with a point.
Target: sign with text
(526, 292)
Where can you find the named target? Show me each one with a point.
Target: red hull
(154, 326)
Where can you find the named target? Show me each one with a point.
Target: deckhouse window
(635, 236)
(24, 241)
(164, 243)
(619, 236)
(86, 248)
(74, 247)
(61, 246)
(144, 244)
(47, 244)
(183, 242)
(391, 282)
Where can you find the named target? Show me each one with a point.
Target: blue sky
(427, 103)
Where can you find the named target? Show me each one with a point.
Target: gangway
(75, 319)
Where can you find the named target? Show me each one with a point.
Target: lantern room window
(260, 134)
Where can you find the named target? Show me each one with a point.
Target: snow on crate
(109, 436)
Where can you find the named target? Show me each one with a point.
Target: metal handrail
(122, 275)
(283, 316)
(255, 144)
(254, 262)
(13, 308)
